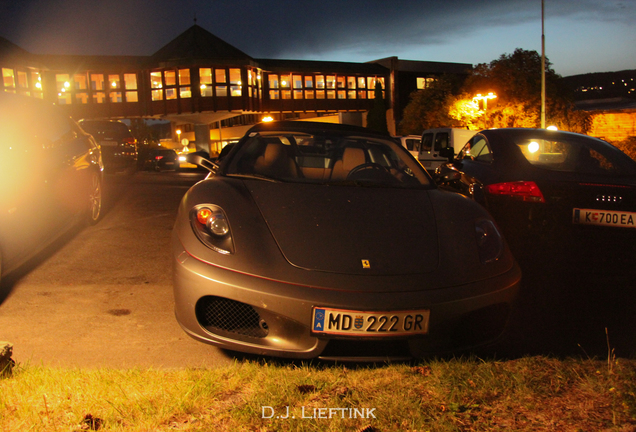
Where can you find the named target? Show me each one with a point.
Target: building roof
(197, 44)
(309, 66)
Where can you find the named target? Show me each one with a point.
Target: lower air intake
(229, 317)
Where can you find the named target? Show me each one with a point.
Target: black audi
(543, 184)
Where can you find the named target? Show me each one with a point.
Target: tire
(95, 198)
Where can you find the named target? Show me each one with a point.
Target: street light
(479, 97)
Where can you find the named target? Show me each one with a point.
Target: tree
(376, 118)
(429, 108)
(516, 80)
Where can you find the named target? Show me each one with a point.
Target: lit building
(211, 91)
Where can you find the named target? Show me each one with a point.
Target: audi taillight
(521, 190)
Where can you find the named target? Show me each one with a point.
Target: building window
(63, 87)
(320, 81)
(8, 79)
(130, 83)
(341, 82)
(351, 94)
(298, 81)
(220, 77)
(115, 97)
(113, 81)
(184, 83)
(157, 95)
(309, 82)
(36, 84)
(205, 79)
(424, 83)
(97, 82)
(171, 93)
(285, 81)
(236, 86)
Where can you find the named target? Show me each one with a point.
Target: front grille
(229, 317)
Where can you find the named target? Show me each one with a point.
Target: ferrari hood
(351, 230)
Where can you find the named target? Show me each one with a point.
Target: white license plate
(357, 323)
(604, 218)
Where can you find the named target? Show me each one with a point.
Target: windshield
(325, 159)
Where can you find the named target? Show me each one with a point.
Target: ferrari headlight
(211, 226)
(489, 241)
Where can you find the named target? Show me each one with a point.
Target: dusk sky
(581, 35)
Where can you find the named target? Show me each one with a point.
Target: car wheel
(95, 198)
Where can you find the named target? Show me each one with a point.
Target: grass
(526, 394)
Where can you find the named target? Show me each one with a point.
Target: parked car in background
(411, 143)
(438, 146)
(51, 178)
(118, 145)
(314, 239)
(540, 183)
(160, 159)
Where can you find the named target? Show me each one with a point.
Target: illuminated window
(220, 76)
(320, 94)
(236, 87)
(286, 94)
(22, 80)
(309, 94)
(351, 94)
(274, 94)
(341, 82)
(298, 94)
(331, 94)
(130, 81)
(81, 98)
(320, 81)
(273, 81)
(221, 91)
(351, 82)
(155, 80)
(157, 95)
(309, 82)
(63, 86)
(285, 81)
(184, 92)
(36, 84)
(184, 77)
(80, 82)
(115, 97)
(361, 82)
(171, 93)
(131, 96)
(8, 79)
(99, 97)
(113, 81)
(170, 78)
(342, 94)
(298, 81)
(362, 94)
(205, 78)
(331, 82)
(97, 82)
(423, 83)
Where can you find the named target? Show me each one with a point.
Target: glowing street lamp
(485, 98)
(267, 119)
(178, 131)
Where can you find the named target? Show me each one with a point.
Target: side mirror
(448, 153)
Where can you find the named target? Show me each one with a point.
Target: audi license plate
(604, 218)
(357, 323)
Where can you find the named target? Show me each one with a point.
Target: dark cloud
(301, 29)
